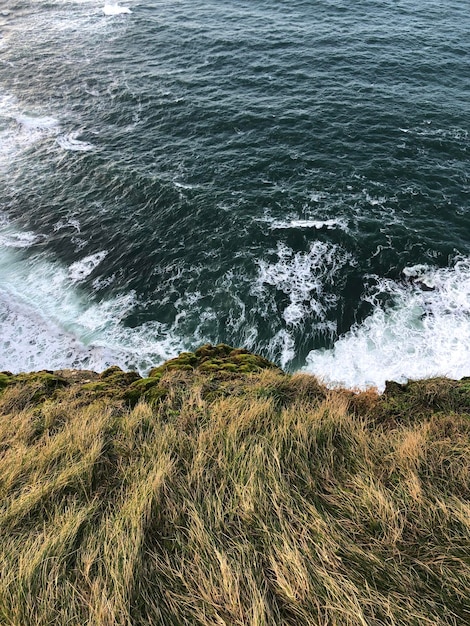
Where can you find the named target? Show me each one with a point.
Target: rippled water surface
(289, 177)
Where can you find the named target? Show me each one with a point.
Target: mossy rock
(209, 362)
(209, 366)
(208, 351)
(116, 377)
(46, 377)
(254, 362)
(146, 383)
(155, 394)
(145, 389)
(229, 367)
(238, 351)
(112, 382)
(223, 349)
(42, 384)
(393, 388)
(219, 366)
(222, 357)
(5, 380)
(77, 376)
(179, 366)
(185, 361)
(111, 371)
(96, 387)
(205, 351)
(423, 397)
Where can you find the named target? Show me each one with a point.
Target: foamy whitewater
(115, 9)
(425, 333)
(290, 178)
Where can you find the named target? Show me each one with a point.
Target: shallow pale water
(287, 177)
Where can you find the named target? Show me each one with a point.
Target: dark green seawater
(291, 177)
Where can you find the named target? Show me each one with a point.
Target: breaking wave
(426, 332)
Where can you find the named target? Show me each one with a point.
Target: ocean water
(291, 177)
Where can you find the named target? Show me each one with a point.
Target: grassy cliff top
(221, 491)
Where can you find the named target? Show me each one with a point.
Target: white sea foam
(102, 283)
(426, 332)
(18, 240)
(70, 142)
(31, 122)
(115, 9)
(20, 130)
(79, 270)
(71, 222)
(302, 277)
(374, 201)
(9, 238)
(32, 129)
(305, 281)
(314, 224)
(184, 185)
(447, 134)
(283, 346)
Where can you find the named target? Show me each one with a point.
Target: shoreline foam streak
(47, 323)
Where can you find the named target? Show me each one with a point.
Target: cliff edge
(220, 490)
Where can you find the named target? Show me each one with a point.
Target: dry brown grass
(258, 499)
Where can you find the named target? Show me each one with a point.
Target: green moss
(463, 394)
(238, 351)
(155, 394)
(45, 377)
(244, 357)
(37, 386)
(405, 402)
(204, 351)
(113, 382)
(5, 380)
(221, 362)
(223, 349)
(229, 367)
(96, 387)
(115, 377)
(111, 371)
(253, 362)
(145, 388)
(185, 361)
(221, 357)
(179, 366)
(146, 383)
(245, 369)
(211, 358)
(210, 366)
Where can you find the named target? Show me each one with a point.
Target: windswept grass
(233, 498)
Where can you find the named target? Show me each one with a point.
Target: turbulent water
(291, 177)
